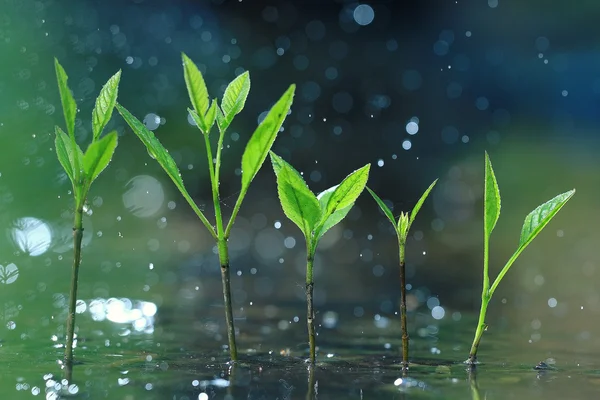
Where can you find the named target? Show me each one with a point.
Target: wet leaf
(386, 210)
(346, 193)
(74, 156)
(419, 204)
(403, 226)
(98, 156)
(105, 104)
(334, 218)
(261, 141)
(491, 199)
(539, 218)
(62, 142)
(299, 204)
(234, 99)
(196, 88)
(160, 154)
(66, 98)
(211, 116)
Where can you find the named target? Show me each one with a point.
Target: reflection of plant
(82, 169)
(205, 113)
(315, 215)
(533, 225)
(402, 226)
(8, 274)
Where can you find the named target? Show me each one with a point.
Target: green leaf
(419, 204)
(66, 98)
(74, 155)
(533, 225)
(105, 103)
(334, 218)
(220, 120)
(539, 218)
(403, 226)
(491, 199)
(62, 142)
(158, 152)
(279, 163)
(261, 141)
(347, 191)
(154, 147)
(196, 87)
(234, 98)
(98, 156)
(386, 210)
(299, 204)
(211, 115)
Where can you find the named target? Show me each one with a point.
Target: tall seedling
(402, 226)
(315, 215)
(82, 169)
(533, 225)
(205, 113)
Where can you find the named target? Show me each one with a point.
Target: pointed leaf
(403, 226)
(155, 148)
(105, 103)
(279, 163)
(220, 120)
(539, 218)
(334, 218)
(62, 142)
(98, 156)
(196, 87)
(211, 115)
(418, 206)
(533, 225)
(235, 98)
(158, 152)
(347, 191)
(74, 155)
(491, 199)
(261, 141)
(299, 204)
(66, 98)
(386, 210)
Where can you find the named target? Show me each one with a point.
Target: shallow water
(173, 352)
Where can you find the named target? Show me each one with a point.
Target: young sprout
(533, 225)
(82, 169)
(402, 226)
(315, 215)
(205, 113)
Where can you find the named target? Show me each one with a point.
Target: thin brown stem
(77, 238)
(405, 337)
(310, 321)
(225, 279)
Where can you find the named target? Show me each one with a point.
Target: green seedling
(82, 169)
(205, 113)
(402, 226)
(533, 225)
(315, 215)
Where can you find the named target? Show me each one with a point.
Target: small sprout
(204, 114)
(315, 215)
(402, 226)
(533, 225)
(82, 169)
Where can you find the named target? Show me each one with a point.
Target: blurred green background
(418, 89)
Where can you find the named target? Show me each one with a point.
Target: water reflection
(31, 235)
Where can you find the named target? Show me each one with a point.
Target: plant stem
(77, 238)
(405, 338)
(310, 313)
(222, 247)
(225, 279)
(481, 327)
